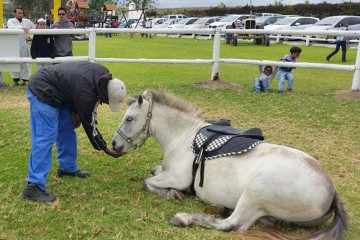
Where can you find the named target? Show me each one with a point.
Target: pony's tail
(337, 228)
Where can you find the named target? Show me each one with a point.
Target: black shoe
(78, 173)
(34, 193)
(327, 58)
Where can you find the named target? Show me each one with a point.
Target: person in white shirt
(19, 22)
(341, 41)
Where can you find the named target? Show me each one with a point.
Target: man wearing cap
(42, 45)
(61, 97)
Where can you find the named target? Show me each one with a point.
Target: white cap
(41, 20)
(116, 93)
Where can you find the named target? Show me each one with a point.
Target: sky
(214, 3)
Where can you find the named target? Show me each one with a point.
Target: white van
(175, 16)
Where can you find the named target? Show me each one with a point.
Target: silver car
(333, 23)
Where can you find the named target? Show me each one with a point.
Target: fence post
(356, 78)
(92, 45)
(307, 40)
(216, 55)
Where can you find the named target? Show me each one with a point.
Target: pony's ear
(140, 99)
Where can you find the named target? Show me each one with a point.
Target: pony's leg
(161, 185)
(245, 214)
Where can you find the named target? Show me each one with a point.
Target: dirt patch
(217, 84)
(348, 95)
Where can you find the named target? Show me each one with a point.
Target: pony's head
(134, 128)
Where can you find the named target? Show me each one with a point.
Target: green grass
(111, 204)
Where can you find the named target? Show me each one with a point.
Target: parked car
(228, 21)
(263, 21)
(157, 21)
(184, 22)
(292, 23)
(175, 16)
(167, 23)
(128, 22)
(333, 23)
(203, 22)
(266, 14)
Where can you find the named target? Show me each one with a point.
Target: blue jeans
(261, 85)
(47, 126)
(285, 75)
(339, 44)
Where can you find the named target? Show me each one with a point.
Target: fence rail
(215, 61)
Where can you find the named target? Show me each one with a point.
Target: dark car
(263, 21)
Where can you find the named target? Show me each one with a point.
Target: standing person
(285, 72)
(263, 82)
(42, 45)
(61, 97)
(109, 24)
(63, 43)
(341, 41)
(19, 22)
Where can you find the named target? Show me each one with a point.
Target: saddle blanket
(220, 140)
(217, 141)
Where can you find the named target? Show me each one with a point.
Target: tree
(33, 5)
(140, 4)
(221, 5)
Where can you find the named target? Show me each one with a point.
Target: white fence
(215, 61)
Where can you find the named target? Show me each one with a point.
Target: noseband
(144, 129)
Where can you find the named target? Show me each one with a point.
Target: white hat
(116, 93)
(41, 20)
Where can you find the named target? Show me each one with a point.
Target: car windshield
(261, 19)
(169, 21)
(202, 21)
(183, 21)
(285, 21)
(328, 21)
(230, 18)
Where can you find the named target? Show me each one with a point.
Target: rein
(144, 129)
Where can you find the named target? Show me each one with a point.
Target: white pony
(268, 183)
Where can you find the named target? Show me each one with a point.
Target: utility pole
(1, 13)
(250, 7)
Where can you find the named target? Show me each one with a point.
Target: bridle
(144, 129)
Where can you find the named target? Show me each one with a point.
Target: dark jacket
(79, 86)
(42, 46)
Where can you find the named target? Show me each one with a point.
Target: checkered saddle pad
(220, 140)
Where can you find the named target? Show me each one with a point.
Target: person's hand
(112, 153)
(26, 29)
(52, 56)
(76, 120)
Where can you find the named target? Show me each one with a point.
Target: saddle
(219, 140)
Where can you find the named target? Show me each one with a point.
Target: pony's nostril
(113, 143)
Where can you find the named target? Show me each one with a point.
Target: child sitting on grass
(263, 82)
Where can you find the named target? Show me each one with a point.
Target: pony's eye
(129, 119)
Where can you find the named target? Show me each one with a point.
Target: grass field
(111, 204)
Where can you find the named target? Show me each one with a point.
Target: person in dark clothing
(61, 97)
(42, 45)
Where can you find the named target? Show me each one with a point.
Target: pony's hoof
(177, 195)
(218, 210)
(156, 170)
(178, 221)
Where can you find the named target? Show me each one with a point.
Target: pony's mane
(167, 99)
